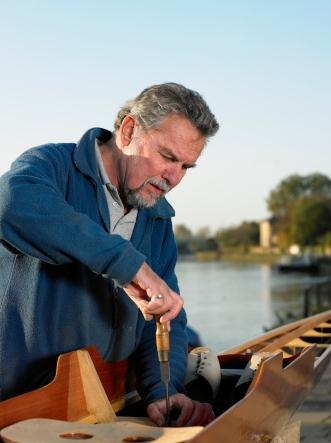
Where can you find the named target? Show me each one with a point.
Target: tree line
(242, 236)
(300, 208)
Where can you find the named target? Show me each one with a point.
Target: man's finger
(200, 415)
(155, 414)
(169, 304)
(156, 302)
(186, 407)
(172, 313)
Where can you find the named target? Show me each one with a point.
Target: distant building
(268, 237)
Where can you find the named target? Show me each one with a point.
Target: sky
(264, 68)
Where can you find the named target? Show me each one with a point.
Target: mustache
(162, 184)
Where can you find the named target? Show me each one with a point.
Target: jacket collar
(84, 158)
(84, 153)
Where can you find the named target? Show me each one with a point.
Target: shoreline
(270, 258)
(236, 257)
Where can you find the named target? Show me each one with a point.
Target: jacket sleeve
(149, 384)
(36, 219)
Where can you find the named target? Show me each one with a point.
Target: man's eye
(168, 157)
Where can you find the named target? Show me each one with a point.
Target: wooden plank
(286, 338)
(275, 394)
(97, 402)
(116, 380)
(299, 343)
(289, 434)
(314, 333)
(76, 393)
(54, 431)
(259, 415)
(277, 335)
(325, 325)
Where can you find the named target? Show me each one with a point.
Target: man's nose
(173, 174)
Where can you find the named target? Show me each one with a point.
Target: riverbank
(238, 257)
(260, 257)
(232, 257)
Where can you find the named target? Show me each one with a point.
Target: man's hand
(191, 413)
(153, 296)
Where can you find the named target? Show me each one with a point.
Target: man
(87, 249)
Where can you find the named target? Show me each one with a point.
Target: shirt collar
(85, 160)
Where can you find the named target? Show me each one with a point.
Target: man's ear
(126, 130)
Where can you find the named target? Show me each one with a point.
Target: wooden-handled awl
(163, 348)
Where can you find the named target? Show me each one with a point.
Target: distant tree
(281, 201)
(327, 240)
(282, 228)
(204, 241)
(291, 188)
(188, 243)
(227, 237)
(184, 238)
(285, 193)
(310, 219)
(182, 232)
(246, 234)
(203, 232)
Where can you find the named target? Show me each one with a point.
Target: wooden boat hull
(274, 395)
(87, 390)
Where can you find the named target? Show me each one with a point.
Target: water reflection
(228, 303)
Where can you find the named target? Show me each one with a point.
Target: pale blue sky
(264, 67)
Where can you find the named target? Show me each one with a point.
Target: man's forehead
(180, 157)
(178, 128)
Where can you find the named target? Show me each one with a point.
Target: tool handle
(162, 340)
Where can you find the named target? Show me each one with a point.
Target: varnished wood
(280, 335)
(50, 431)
(266, 409)
(115, 380)
(314, 333)
(259, 416)
(76, 393)
(89, 393)
(287, 337)
(325, 325)
(289, 434)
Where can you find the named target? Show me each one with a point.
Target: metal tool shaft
(163, 348)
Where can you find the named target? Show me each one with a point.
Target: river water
(228, 303)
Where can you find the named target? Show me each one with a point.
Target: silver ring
(158, 296)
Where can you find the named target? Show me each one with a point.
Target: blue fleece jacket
(61, 271)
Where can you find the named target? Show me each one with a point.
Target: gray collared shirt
(120, 223)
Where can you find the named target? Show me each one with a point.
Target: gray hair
(154, 103)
